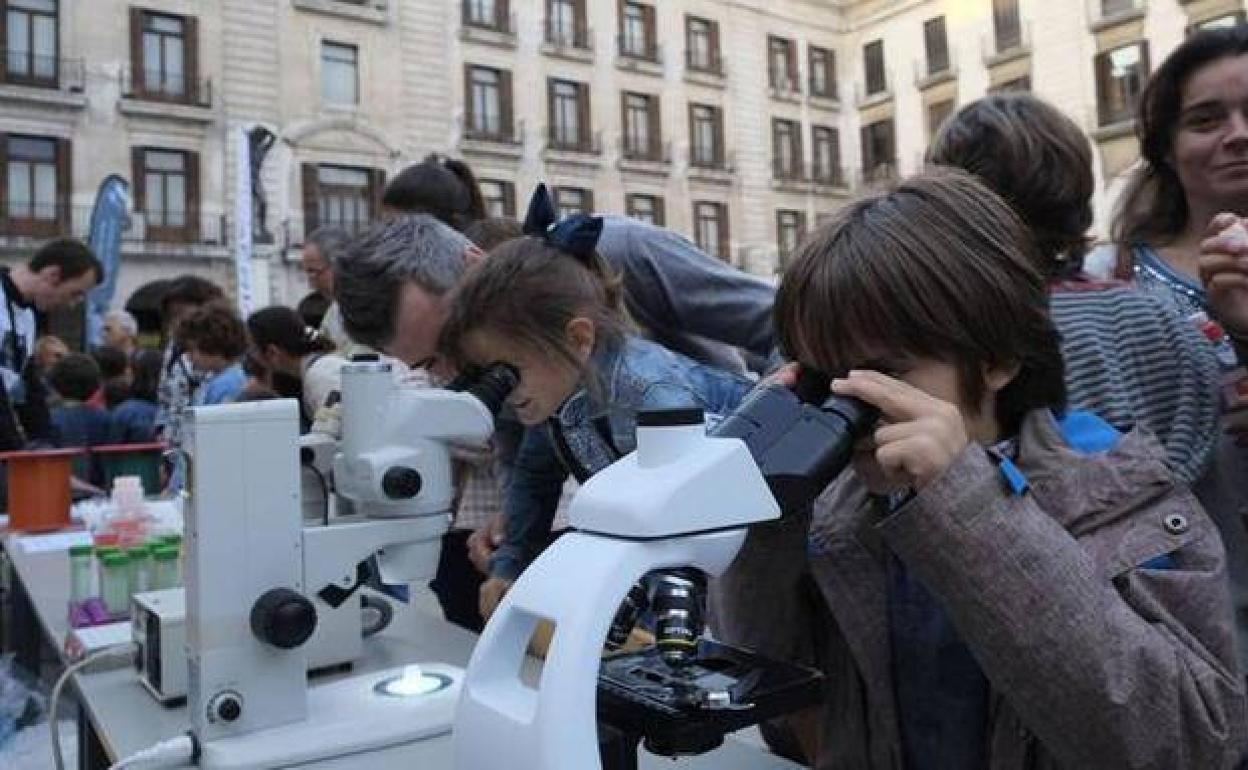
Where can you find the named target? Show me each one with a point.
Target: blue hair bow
(576, 235)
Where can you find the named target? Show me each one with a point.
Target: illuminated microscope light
(412, 683)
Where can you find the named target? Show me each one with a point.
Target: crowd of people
(1038, 559)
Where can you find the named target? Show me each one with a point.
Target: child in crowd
(75, 423)
(115, 376)
(215, 340)
(548, 305)
(304, 356)
(133, 421)
(997, 581)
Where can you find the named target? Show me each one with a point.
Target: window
(164, 57)
(1218, 22)
(488, 102)
(710, 228)
(782, 63)
(340, 81)
(500, 198)
(637, 32)
(342, 196)
(873, 66)
(1111, 8)
(166, 190)
(879, 156)
(1019, 84)
(936, 43)
(706, 136)
(36, 184)
(573, 200)
(790, 230)
(1120, 76)
(786, 143)
(30, 41)
(490, 14)
(822, 72)
(566, 23)
(702, 45)
(646, 208)
(825, 151)
(937, 114)
(642, 138)
(1006, 25)
(569, 115)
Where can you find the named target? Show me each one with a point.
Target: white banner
(242, 222)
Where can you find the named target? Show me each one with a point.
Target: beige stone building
(736, 122)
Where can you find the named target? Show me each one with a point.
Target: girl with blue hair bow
(549, 305)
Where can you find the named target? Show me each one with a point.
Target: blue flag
(108, 220)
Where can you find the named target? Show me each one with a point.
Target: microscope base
(347, 718)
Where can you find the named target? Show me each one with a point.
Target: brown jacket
(1094, 660)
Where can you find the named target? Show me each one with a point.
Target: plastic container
(115, 583)
(140, 568)
(166, 570)
(141, 461)
(81, 579)
(39, 491)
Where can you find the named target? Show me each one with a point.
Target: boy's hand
(492, 593)
(483, 542)
(919, 436)
(1224, 272)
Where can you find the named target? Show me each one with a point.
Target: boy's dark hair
(72, 256)
(443, 187)
(75, 377)
(279, 325)
(492, 232)
(527, 292)
(189, 290)
(112, 361)
(1153, 207)
(312, 308)
(146, 369)
(1035, 158)
(937, 267)
(214, 329)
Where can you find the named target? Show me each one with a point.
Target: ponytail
(282, 326)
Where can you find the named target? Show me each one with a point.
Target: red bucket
(39, 488)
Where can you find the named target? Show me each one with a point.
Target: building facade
(737, 122)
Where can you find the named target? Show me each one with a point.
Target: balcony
(574, 44)
(928, 73)
(43, 81)
(370, 11)
(877, 94)
(652, 159)
(584, 150)
(785, 87)
(706, 69)
(25, 224)
(828, 180)
(711, 168)
(642, 56)
(1016, 44)
(879, 175)
(1103, 14)
(161, 94)
(498, 29)
(507, 142)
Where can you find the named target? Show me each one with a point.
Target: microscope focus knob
(401, 483)
(283, 618)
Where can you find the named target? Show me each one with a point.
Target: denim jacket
(596, 426)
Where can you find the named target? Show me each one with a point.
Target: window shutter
(505, 104)
(889, 143)
(136, 51)
(811, 63)
(834, 154)
(656, 129)
(587, 195)
(193, 222)
(832, 87)
(580, 21)
(194, 91)
(718, 119)
(716, 61)
(64, 184)
(660, 211)
(4, 60)
(4, 178)
(509, 199)
(625, 128)
(693, 144)
(550, 111)
(651, 26)
(311, 199)
(376, 189)
(725, 236)
(582, 104)
(502, 14)
(799, 160)
(139, 170)
(470, 109)
(777, 150)
(868, 152)
(791, 74)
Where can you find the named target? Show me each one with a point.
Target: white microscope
(683, 498)
(264, 592)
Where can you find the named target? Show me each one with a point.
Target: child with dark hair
(548, 305)
(215, 340)
(115, 376)
(133, 421)
(493, 231)
(997, 581)
(75, 423)
(304, 357)
(443, 187)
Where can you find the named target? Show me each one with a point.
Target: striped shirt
(1132, 360)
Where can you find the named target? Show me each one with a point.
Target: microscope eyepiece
(489, 384)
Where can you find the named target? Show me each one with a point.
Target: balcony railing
(788, 170)
(708, 158)
(643, 50)
(579, 36)
(498, 21)
(165, 86)
(501, 135)
(586, 143)
(784, 83)
(26, 219)
(23, 68)
(827, 176)
(650, 152)
(710, 63)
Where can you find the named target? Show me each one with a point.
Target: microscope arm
(330, 554)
